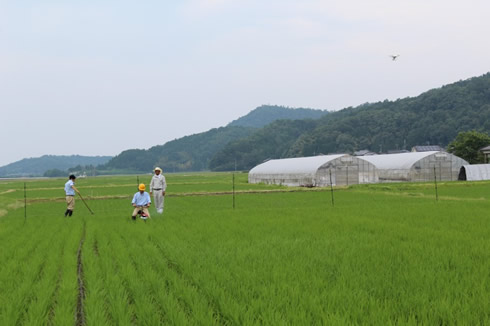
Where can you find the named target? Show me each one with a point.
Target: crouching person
(141, 202)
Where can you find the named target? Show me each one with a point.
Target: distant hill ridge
(265, 114)
(194, 152)
(38, 165)
(189, 153)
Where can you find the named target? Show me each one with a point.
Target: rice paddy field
(385, 254)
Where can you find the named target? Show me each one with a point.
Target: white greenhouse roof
(476, 172)
(303, 165)
(402, 161)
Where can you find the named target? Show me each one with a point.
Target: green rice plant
(23, 275)
(63, 307)
(384, 254)
(32, 278)
(106, 292)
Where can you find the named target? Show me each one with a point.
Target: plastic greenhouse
(416, 166)
(314, 171)
(475, 172)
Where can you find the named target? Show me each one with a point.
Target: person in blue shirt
(141, 202)
(70, 190)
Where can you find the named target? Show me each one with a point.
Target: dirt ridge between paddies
(422, 195)
(7, 191)
(186, 194)
(12, 206)
(113, 186)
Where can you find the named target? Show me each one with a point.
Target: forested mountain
(190, 153)
(194, 153)
(265, 114)
(434, 117)
(37, 166)
(274, 140)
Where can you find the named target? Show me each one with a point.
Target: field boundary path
(188, 194)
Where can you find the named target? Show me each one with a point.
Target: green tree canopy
(53, 173)
(467, 145)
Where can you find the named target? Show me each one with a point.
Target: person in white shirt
(70, 190)
(157, 189)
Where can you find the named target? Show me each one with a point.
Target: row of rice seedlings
(107, 301)
(361, 228)
(147, 291)
(37, 270)
(402, 248)
(190, 262)
(291, 258)
(416, 242)
(272, 268)
(17, 239)
(133, 274)
(44, 293)
(150, 284)
(63, 309)
(177, 294)
(20, 273)
(363, 224)
(146, 309)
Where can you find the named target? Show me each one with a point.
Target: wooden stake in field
(233, 190)
(25, 203)
(331, 186)
(234, 186)
(435, 183)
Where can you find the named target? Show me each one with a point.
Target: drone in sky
(394, 56)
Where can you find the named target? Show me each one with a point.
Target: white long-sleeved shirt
(69, 188)
(158, 182)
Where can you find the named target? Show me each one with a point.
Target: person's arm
(164, 185)
(133, 202)
(75, 188)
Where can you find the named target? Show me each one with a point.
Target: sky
(100, 77)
